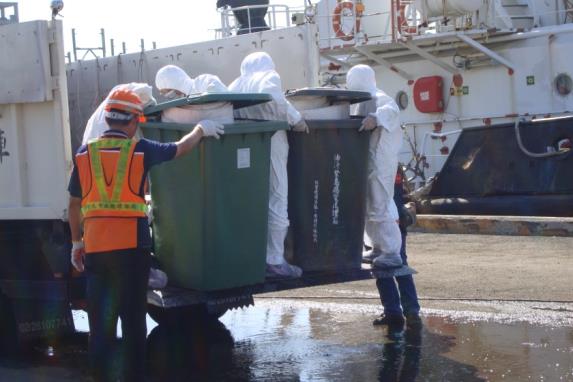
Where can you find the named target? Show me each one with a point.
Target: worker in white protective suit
(172, 82)
(209, 83)
(382, 117)
(258, 75)
(97, 125)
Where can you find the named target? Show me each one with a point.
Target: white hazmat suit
(96, 125)
(258, 75)
(381, 213)
(173, 82)
(174, 78)
(208, 83)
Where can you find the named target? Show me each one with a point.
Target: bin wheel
(183, 314)
(8, 328)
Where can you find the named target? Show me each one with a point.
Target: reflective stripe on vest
(115, 203)
(114, 206)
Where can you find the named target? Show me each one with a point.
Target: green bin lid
(238, 127)
(333, 95)
(239, 100)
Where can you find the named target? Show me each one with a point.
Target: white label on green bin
(243, 158)
(315, 213)
(336, 190)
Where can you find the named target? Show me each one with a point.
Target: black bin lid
(333, 95)
(239, 100)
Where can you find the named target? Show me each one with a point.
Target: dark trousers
(117, 288)
(400, 299)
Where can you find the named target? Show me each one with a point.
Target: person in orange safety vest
(107, 196)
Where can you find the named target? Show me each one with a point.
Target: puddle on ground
(285, 342)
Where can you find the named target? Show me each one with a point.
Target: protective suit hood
(144, 91)
(96, 125)
(173, 77)
(209, 83)
(258, 75)
(257, 62)
(382, 106)
(362, 78)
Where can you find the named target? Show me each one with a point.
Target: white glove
(211, 128)
(368, 123)
(301, 127)
(157, 279)
(77, 256)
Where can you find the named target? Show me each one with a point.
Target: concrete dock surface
(483, 267)
(495, 225)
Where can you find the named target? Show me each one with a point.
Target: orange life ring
(403, 25)
(337, 20)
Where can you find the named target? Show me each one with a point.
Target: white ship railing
(278, 16)
(352, 19)
(13, 18)
(435, 135)
(402, 20)
(358, 36)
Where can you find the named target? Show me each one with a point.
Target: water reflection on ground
(285, 342)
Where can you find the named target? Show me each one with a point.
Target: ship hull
(489, 173)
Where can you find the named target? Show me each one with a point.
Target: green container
(328, 174)
(327, 195)
(210, 207)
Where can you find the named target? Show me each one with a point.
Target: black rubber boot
(414, 321)
(389, 320)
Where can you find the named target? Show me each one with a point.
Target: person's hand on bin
(301, 127)
(369, 123)
(211, 128)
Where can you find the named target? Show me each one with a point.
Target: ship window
(402, 100)
(563, 84)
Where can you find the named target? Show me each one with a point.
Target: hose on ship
(530, 153)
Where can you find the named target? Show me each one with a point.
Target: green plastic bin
(210, 207)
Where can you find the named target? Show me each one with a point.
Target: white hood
(209, 83)
(96, 125)
(362, 78)
(175, 78)
(258, 75)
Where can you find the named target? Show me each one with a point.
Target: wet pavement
(287, 340)
(494, 308)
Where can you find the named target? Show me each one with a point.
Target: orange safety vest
(111, 204)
